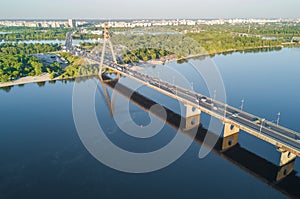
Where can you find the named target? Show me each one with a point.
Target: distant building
(72, 23)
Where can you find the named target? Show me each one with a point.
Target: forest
(221, 42)
(144, 54)
(16, 60)
(147, 46)
(77, 67)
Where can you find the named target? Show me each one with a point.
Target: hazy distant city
(138, 23)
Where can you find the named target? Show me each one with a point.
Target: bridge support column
(192, 117)
(285, 157)
(230, 136)
(230, 129)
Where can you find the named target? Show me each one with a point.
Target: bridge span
(286, 141)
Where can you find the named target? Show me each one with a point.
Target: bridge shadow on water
(283, 179)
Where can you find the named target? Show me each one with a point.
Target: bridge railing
(268, 122)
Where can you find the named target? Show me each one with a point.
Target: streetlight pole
(192, 85)
(278, 118)
(214, 97)
(242, 106)
(261, 126)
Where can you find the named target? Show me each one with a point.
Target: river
(42, 155)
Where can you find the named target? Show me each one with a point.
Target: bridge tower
(106, 34)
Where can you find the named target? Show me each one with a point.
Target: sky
(148, 9)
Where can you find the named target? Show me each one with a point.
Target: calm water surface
(43, 157)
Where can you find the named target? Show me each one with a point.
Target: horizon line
(113, 19)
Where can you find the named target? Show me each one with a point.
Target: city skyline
(154, 9)
(139, 23)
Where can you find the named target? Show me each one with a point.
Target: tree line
(222, 42)
(144, 54)
(148, 46)
(26, 33)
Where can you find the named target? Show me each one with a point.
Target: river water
(42, 155)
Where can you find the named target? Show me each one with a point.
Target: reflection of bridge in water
(287, 142)
(282, 178)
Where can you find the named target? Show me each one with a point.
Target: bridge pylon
(106, 34)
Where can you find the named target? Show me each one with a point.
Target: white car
(235, 114)
(203, 99)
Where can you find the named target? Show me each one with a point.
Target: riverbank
(251, 49)
(228, 51)
(27, 80)
(46, 77)
(37, 79)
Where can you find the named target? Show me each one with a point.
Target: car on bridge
(235, 114)
(256, 120)
(203, 99)
(121, 68)
(215, 107)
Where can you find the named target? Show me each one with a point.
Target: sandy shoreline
(27, 80)
(36, 79)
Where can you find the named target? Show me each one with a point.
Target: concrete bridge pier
(285, 156)
(230, 136)
(192, 117)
